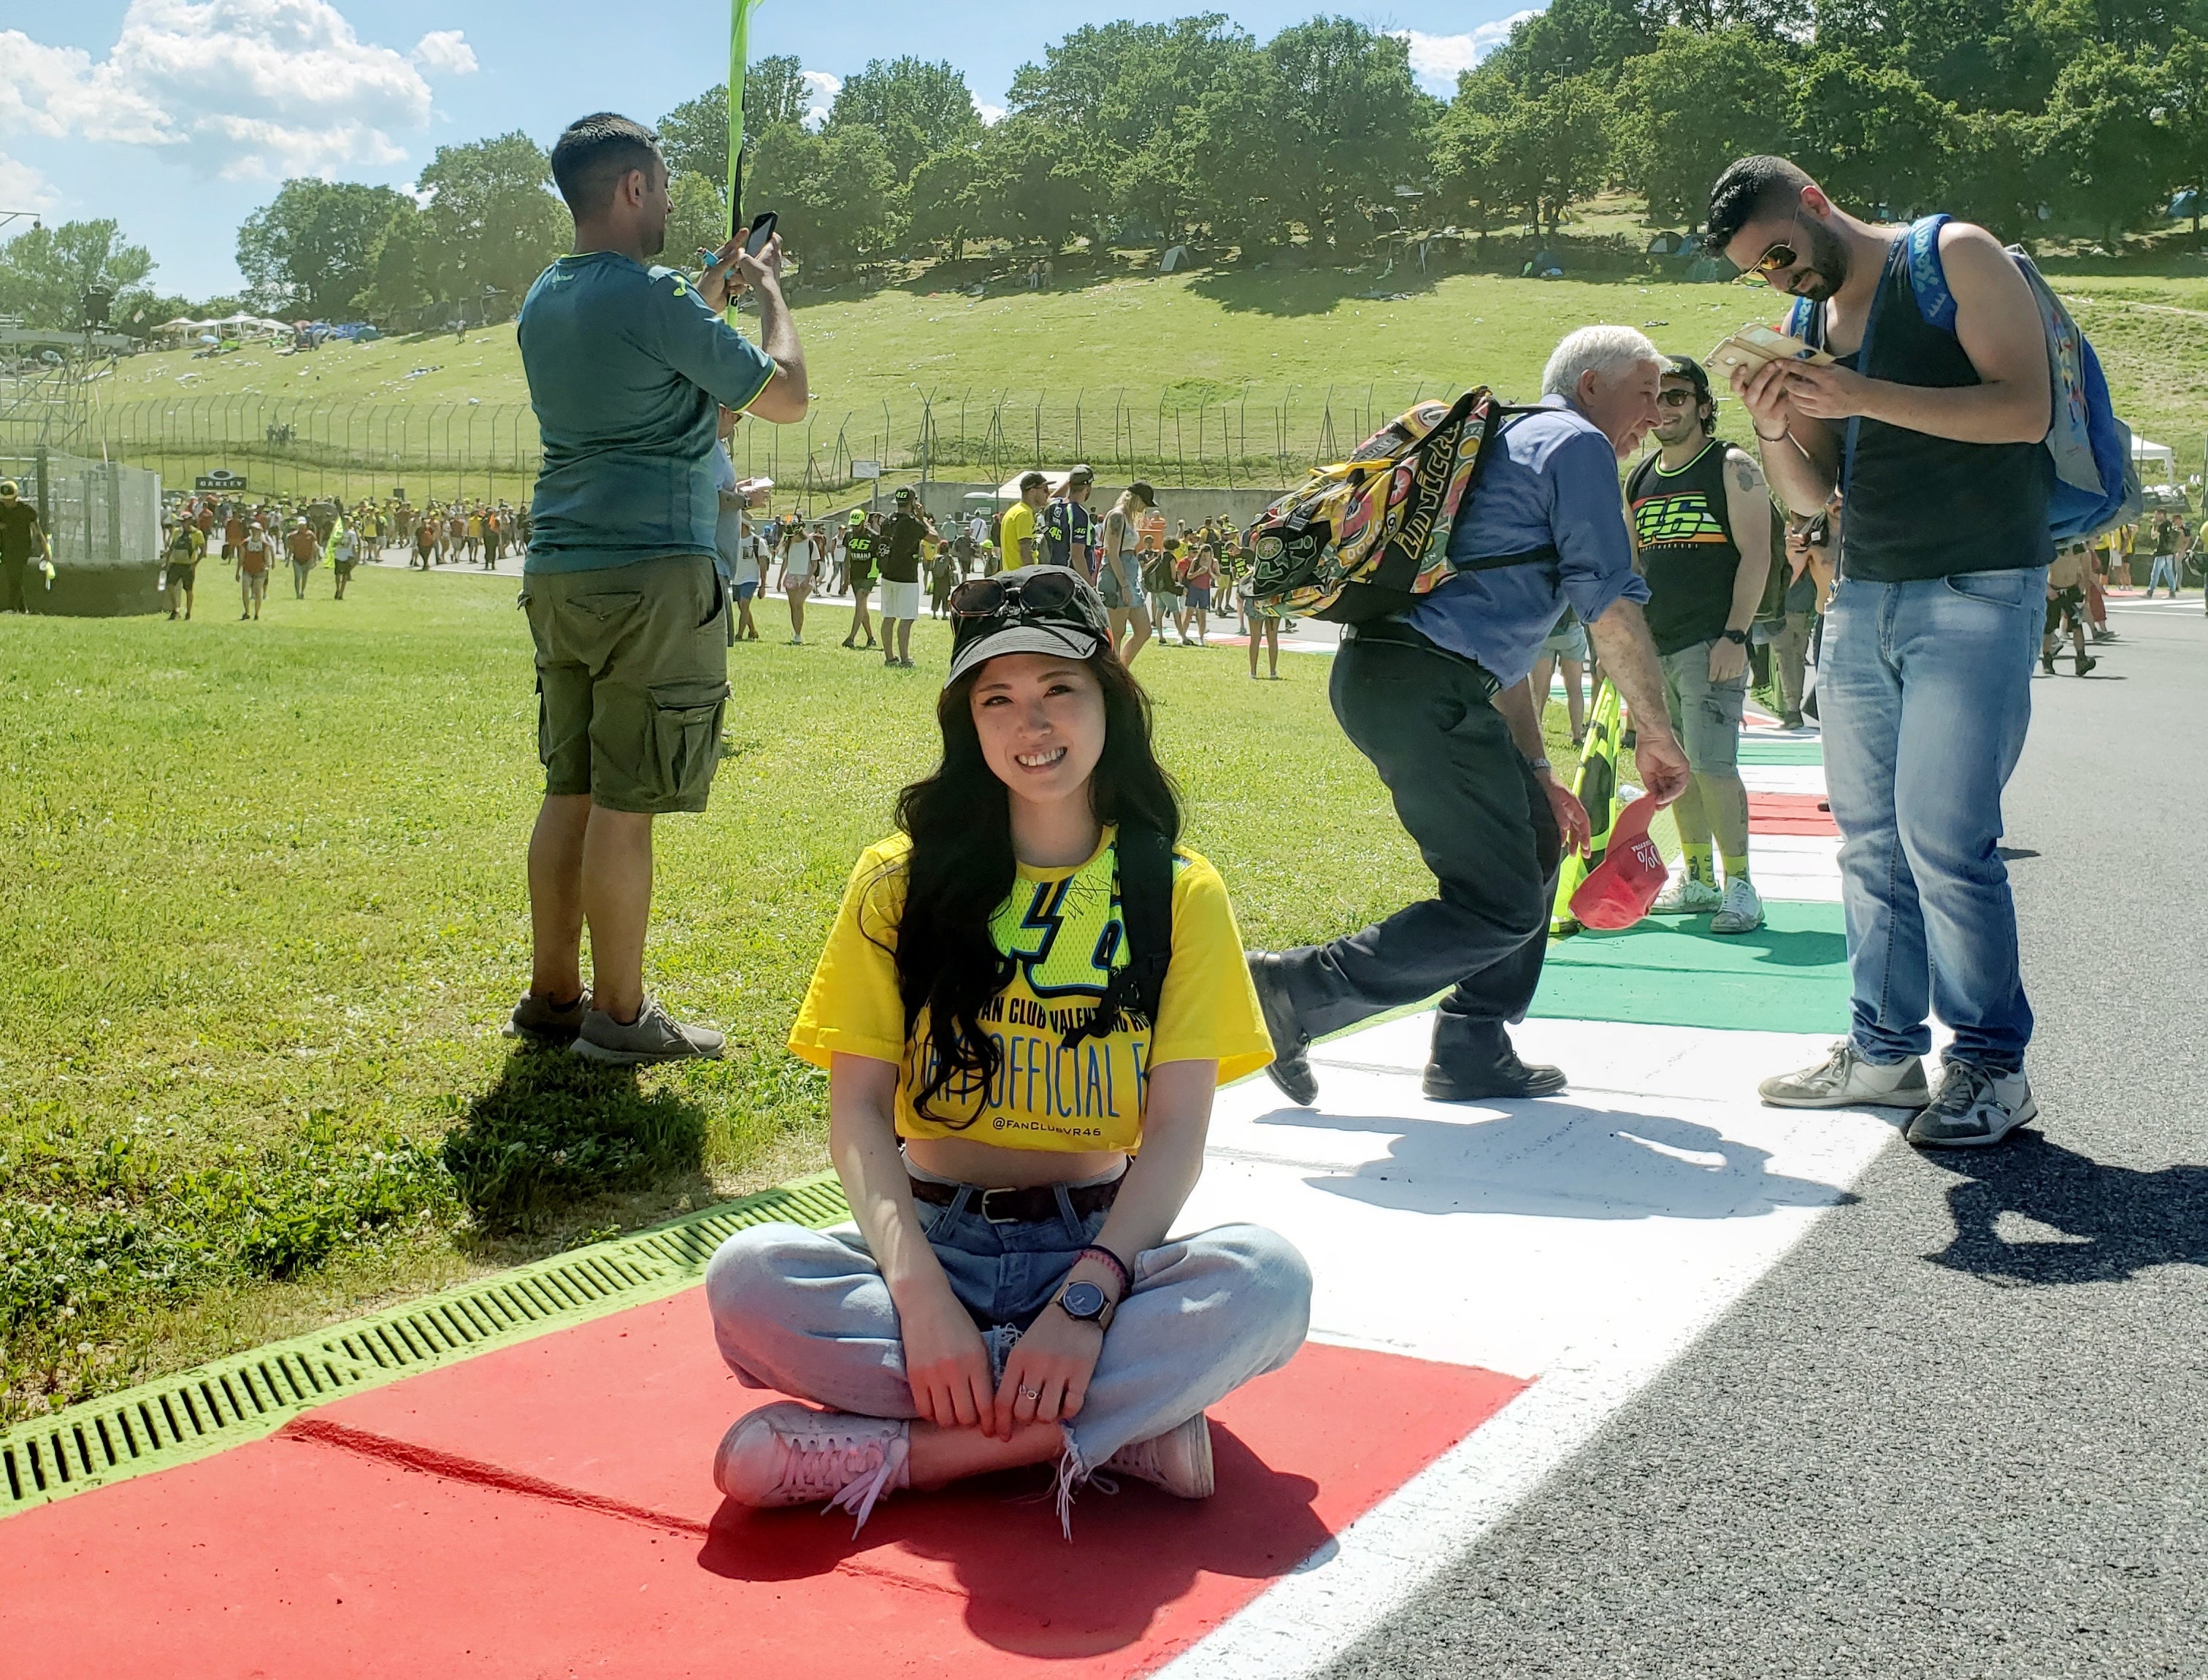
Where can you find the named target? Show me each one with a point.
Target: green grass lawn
(1300, 337)
(263, 913)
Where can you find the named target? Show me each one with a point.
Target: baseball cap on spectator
(904, 494)
(1619, 890)
(1082, 475)
(1029, 480)
(1148, 496)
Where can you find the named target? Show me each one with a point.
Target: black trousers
(1466, 793)
(13, 573)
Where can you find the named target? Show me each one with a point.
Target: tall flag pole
(740, 19)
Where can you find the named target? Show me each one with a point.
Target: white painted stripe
(1584, 1242)
(1784, 778)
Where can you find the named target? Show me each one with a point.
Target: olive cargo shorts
(632, 676)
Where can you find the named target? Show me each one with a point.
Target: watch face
(1083, 1300)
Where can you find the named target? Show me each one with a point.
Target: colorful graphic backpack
(1367, 537)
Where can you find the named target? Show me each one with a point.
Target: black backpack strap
(1143, 859)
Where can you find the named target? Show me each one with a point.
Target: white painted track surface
(1581, 1241)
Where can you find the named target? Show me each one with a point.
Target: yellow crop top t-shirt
(1056, 925)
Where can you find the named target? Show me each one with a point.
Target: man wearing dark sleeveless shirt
(1701, 523)
(1934, 440)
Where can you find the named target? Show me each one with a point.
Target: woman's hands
(946, 1362)
(1047, 1378)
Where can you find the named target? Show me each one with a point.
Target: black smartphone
(762, 231)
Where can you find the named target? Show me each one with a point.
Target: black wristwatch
(1738, 638)
(1086, 1303)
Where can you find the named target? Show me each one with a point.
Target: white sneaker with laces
(790, 1454)
(1180, 1460)
(1974, 1106)
(1741, 911)
(1846, 1079)
(1686, 895)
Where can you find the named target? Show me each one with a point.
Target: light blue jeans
(2165, 572)
(1925, 692)
(807, 1312)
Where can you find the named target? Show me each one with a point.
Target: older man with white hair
(1437, 698)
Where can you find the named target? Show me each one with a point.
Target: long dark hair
(961, 868)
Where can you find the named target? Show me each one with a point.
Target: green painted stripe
(248, 1396)
(1755, 751)
(1790, 976)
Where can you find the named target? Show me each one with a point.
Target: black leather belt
(1030, 1206)
(1402, 634)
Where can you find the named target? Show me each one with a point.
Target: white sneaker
(1685, 895)
(1846, 1079)
(1741, 910)
(790, 1454)
(1180, 1460)
(1973, 1106)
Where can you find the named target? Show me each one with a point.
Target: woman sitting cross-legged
(1013, 1296)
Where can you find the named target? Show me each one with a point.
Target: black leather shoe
(1290, 1068)
(1505, 1077)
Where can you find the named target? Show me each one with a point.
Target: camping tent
(2149, 456)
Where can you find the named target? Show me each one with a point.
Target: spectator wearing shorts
(306, 553)
(2066, 607)
(1163, 587)
(627, 362)
(728, 533)
(1701, 521)
(860, 547)
(1567, 647)
(256, 558)
(800, 563)
(1121, 581)
(344, 554)
(180, 566)
(898, 555)
(1199, 575)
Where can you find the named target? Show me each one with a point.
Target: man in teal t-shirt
(628, 363)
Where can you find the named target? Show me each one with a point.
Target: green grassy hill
(1131, 349)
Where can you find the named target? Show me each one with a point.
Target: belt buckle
(989, 1213)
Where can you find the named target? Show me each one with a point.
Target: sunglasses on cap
(1049, 590)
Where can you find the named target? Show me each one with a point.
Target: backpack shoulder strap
(1928, 274)
(1143, 857)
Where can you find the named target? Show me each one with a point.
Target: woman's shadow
(1025, 1588)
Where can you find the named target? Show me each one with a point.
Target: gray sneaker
(1974, 1106)
(1847, 1079)
(654, 1036)
(538, 1017)
(1686, 895)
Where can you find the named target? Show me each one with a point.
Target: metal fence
(1251, 438)
(101, 515)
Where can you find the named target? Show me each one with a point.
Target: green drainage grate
(250, 1395)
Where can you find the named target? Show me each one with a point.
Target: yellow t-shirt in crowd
(1061, 928)
(1018, 524)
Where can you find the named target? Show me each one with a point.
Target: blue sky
(178, 118)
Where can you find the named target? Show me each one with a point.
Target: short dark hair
(1750, 187)
(1686, 367)
(593, 152)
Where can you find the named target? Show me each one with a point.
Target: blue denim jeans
(1925, 692)
(2165, 572)
(807, 1313)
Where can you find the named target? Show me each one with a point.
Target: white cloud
(821, 90)
(22, 188)
(1439, 60)
(445, 52)
(255, 88)
(991, 115)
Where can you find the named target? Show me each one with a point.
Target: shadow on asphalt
(2115, 1221)
(1556, 1159)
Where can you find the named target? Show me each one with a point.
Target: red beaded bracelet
(1118, 1265)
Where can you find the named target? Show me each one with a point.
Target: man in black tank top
(1933, 438)
(1701, 526)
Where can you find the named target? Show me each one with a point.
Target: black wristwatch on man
(1737, 638)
